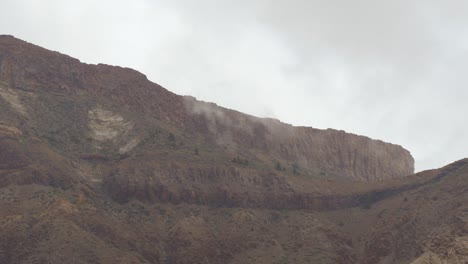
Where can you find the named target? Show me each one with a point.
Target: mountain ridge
(229, 128)
(100, 165)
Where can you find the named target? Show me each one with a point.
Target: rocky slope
(424, 220)
(119, 105)
(100, 165)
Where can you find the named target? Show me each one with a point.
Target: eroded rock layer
(121, 107)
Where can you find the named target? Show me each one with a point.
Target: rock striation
(100, 165)
(129, 95)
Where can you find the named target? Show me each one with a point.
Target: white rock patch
(12, 97)
(106, 125)
(130, 145)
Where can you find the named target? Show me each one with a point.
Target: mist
(388, 70)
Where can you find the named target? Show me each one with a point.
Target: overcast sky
(392, 70)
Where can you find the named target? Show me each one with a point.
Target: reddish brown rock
(28, 67)
(99, 165)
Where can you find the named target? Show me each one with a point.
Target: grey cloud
(392, 70)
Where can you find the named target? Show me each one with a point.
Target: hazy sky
(392, 70)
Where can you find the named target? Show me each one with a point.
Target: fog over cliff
(392, 70)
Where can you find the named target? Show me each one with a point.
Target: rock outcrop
(332, 151)
(100, 165)
(143, 105)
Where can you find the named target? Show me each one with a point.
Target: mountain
(100, 165)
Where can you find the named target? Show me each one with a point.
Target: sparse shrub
(171, 137)
(152, 135)
(279, 167)
(275, 216)
(295, 169)
(240, 161)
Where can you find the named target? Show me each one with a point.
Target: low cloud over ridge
(389, 70)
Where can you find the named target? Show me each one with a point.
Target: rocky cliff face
(335, 152)
(99, 165)
(31, 77)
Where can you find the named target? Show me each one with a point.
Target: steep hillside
(100, 165)
(106, 111)
(423, 219)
